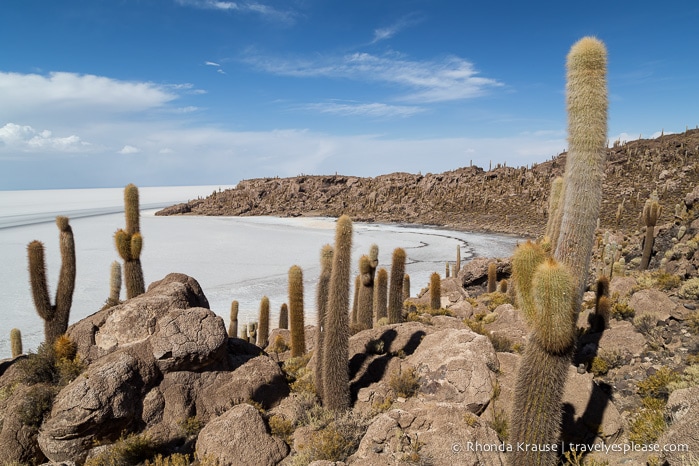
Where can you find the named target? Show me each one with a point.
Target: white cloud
(451, 78)
(211, 63)
(374, 110)
(390, 31)
(126, 150)
(61, 91)
(24, 138)
(265, 11)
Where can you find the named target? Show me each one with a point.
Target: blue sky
(100, 93)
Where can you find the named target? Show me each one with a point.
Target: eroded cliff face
(504, 199)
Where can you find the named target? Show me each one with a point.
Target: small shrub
(191, 426)
(65, 348)
(690, 289)
(645, 323)
(693, 322)
(689, 378)
(37, 404)
(404, 383)
(666, 281)
(501, 343)
(279, 345)
(599, 366)
(621, 310)
(382, 321)
(470, 419)
(176, 459)
(477, 326)
(126, 451)
(613, 358)
(375, 347)
(39, 367)
(383, 406)
(298, 375)
(499, 424)
(655, 386)
(495, 299)
(281, 427)
(335, 442)
(649, 422)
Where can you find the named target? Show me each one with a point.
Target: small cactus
(296, 320)
(65, 348)
(406, 287)
(395, 291)
(114, 284)
(492, 277)
(55, 316)
(435, 291)
(458, 260)
(263, 329)
(284, 317)
(381, 295)
(233, 325)
(16, 342)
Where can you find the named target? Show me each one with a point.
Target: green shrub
(501, 343)
(599, 366)
(191, 426)
(690, 289)
(404, 383)
(281, 427)
(693, 322)
(127, 451)
(621, 310)
(335, 442)
(645, 323)
(689, 378)
(656, 385)
(37, 403)
(176, 459)
(649, 422)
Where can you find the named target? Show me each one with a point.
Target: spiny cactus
(395, 291)
(406, 287)
(555, 211)
(556, 286)
(296, 320)
(263, 329)
(16, 342)
(492, 277)
(233, 325)
(336, 390)
(355, 301)
(129, 243)
(284, 317)
(525, 261)
(435, 291)
(252, 332)
(114, 284)
(326, 263)
(55, 316)
(458, 259)
(365, 307)
(381, 295)
(651, 212)
(65, 348)
(502, 286)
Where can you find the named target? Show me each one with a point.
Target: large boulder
(682, 434)
(475, 272)
(239, 438)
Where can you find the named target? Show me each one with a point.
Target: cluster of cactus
(55, 316)
(550, 288)
(129, 243)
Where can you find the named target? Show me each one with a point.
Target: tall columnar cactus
(336, 389)
(284, 317)
(435, 291)
(355, 301)
(555, 211)
(296, 322)
(458, 259)
(233, 325)
(16, 342)
(263, 329)
(326, 263)
(406, 287)
(557, 285)
(651, 212)
(114, 284)
(395, 291)
(381, 295)
(55, 316)
(365, 307)
(129, 243)
(492, 277)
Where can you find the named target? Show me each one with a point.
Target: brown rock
(683, 411)
(652, 302)
(239, 438)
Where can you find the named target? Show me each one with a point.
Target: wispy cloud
(373, 110)
(212, 63)
(451, 78)
(393, 29)
(24, 138)
(128, 150)
(265, 11)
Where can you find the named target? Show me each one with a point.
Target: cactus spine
(55, 316)
(365, 307)
(435, 291)
(492, 277)
(114, 284)
(381, 294)
(263, 329)
(556, 286)
(336, 390)
(395, 291)
(326, 263)
(129, 243)
(16, 342)
(298, 336)
(233, 325)
(284, 317)
(651, 212)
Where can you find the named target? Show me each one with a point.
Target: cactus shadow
(376, 369)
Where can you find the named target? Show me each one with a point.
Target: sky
(102, 93)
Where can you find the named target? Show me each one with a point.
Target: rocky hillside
(504, 199)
